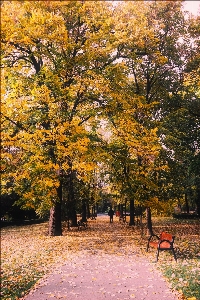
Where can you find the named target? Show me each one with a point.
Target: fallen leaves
(27, 254)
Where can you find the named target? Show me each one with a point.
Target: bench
(163, 242)
(81, 224)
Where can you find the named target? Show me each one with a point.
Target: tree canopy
(93, 89)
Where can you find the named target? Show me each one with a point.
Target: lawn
(184, 275)
(28, 253)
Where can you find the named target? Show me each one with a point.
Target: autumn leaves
(89, 90)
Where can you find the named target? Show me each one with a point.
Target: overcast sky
(192, 6)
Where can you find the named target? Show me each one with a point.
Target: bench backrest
(166, 236)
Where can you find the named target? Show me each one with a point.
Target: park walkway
(108, 266)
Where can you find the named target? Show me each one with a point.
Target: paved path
(99, 276)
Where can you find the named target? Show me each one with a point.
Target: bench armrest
(153, 235)
(149, 239)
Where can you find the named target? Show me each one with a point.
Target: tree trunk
(88, 209)
(72, 216)
(140, 209)
(93, 212)
(132, 212)
(125, 211)
(186, 203)
(55, 222)
(198, 201)
(84, 219)
(121, 211)
(149, 221)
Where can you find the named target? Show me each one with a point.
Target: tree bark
(93, 212)
(149, 221)
(87, 209)
(73, 218)
(125, 211)
(140, 209)
(84, 214)
(71, 201)
(132, 212)
(55, 220)
(198, 201)
(121, 211)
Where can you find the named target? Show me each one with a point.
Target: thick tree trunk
(149, 221)
(132, 212)
(84, 218)
(55, 220)
(88, 209)
(72, 216)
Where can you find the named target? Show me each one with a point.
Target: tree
(192, 96)
(180, 124)
(70, 67)
(155, 55)
(53, 56)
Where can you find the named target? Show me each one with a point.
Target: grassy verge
(28, 254)
(184, 276)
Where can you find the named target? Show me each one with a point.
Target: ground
(104, 261)
(108, 266)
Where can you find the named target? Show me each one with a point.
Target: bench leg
(174, 254)
(157, 255)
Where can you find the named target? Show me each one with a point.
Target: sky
(192, 6)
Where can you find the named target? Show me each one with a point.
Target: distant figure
(111, 214)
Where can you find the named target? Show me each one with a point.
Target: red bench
(164, 242)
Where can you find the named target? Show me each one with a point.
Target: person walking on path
(111, 214)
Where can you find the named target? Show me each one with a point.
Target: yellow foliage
(161, 207)
(62, 77)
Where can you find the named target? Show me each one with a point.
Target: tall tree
(156, 55)
(53, 55)
(71, 66)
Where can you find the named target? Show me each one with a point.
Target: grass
(184, 275)
(28, 254)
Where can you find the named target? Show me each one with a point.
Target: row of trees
(99, 97)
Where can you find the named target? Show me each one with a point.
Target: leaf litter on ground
(28, 254)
